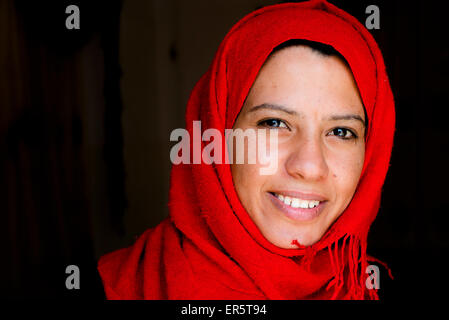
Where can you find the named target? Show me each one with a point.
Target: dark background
(85, 118)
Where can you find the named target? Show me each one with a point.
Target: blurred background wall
(86, 115)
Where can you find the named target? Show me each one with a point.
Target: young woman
(313, 74)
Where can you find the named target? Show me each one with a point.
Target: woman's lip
(298, 214)
(301, 195)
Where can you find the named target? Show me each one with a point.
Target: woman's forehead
(298, 77)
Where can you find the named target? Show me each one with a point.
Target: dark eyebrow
(347, 117)
(273, 107)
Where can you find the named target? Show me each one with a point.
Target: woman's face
(313, 103)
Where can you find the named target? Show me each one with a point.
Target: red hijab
(208, 247)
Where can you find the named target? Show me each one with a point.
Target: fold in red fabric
(208, 247)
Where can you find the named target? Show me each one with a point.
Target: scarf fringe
(370, 258)
(353, 261)
(355, 281)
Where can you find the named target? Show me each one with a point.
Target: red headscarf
(209, 248)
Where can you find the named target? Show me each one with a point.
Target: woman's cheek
(246, 177)
(345, 168)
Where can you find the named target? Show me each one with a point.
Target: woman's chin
(288, 234)
(293, 238)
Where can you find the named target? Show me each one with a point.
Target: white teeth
(298, 203)
(304, 204)
(313, 204)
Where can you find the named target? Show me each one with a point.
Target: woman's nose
(307, 160)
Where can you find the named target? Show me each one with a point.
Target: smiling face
(313, 102)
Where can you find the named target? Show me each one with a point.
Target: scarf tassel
(355, 276)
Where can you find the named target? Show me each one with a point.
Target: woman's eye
(343, 133)
(273, 123)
